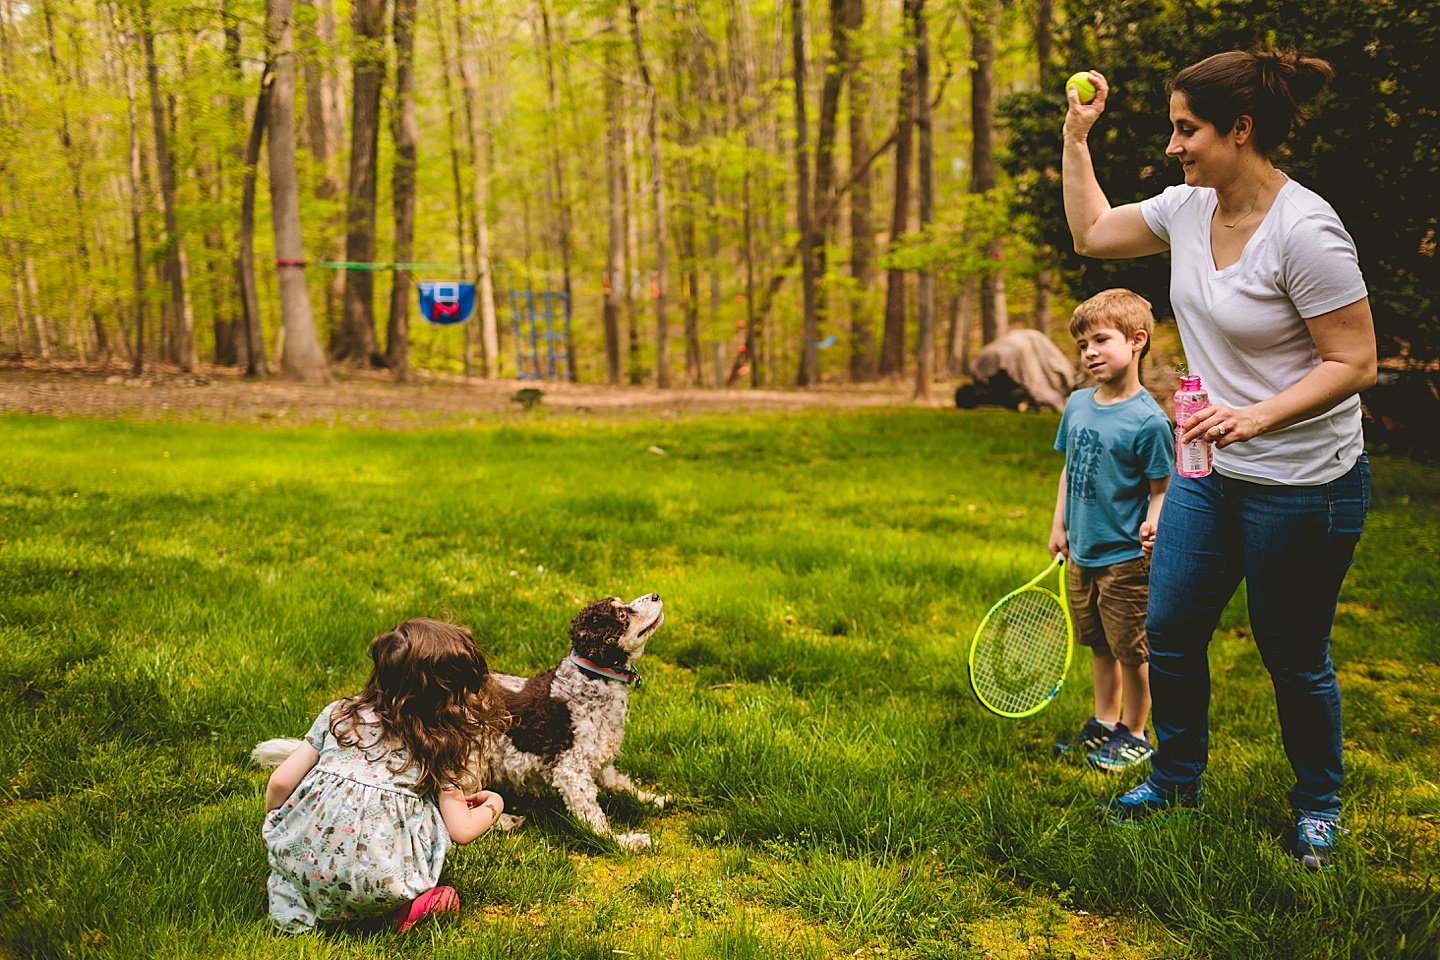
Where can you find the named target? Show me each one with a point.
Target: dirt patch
(221, 395)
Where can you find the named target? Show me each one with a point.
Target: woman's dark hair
(1272, 86)
(431, 690)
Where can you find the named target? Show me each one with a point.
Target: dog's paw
(507, 822)
(633, 841)
(657, 799)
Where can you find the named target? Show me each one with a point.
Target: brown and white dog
(566, 724)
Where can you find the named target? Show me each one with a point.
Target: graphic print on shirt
(1085, 449)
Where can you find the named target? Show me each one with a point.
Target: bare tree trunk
(179, 305)
(982, 166)
(863, 358)
(632, 257)
(925, 308)
(836, 69)
(37, 317)
(441, 34)
(616, 279)
(562, 196)
(892, 347)
(962, 312)
(478, 127)
(137, 360)
(357, 343)
(1045, 276)
(325, 120)
(77, 186)
(255, 362)
(657, 172)
(302, 358)
(809, 371)
(406, 133)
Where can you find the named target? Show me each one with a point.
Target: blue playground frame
(529, 311)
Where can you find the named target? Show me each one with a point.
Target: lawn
(173, 593)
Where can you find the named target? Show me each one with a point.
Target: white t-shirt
(1243, 328)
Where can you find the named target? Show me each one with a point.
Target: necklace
(1253, 204)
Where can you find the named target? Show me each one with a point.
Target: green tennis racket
(1021, 651)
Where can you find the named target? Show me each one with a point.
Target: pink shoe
(432, 901)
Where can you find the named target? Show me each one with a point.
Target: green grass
(174, 593)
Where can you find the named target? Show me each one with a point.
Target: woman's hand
(1082, 116)
(1222, 425)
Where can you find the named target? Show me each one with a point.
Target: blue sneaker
(1122, 750)
(1092, 736)
(1146, 804)
(1315, 842)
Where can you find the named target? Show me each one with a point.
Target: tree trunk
(82, 217)
(863, 358)
(836, 69)
(809, 371)
(255, 363)
(183, 319)
(37, 316)
(477, 114)
(632, 257)
(456, 174)
(137, 354)
(302, 358)
(892, 347)
(562, 195)
(925, 307)
(325, 120)
(615, 278)
(406, 132)
(1045, 276)
(657, 173)
(357, 343)
(982, 164)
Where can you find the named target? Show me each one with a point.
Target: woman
(1274, 317)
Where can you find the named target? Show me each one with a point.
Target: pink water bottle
(1191, 459)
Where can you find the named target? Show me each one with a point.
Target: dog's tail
(272, 753)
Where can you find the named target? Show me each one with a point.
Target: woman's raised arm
(1098, 229)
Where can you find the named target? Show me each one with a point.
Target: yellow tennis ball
(1083, 86)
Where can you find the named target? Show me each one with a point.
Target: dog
(566, 724)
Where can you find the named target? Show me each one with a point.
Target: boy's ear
(1139, 340)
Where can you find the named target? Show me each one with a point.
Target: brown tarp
(1029, 359)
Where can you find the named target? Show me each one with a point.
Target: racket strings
(1020, 656)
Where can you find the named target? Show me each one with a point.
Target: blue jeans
(1292, 546)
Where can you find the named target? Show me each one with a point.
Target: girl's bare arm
(288, 775)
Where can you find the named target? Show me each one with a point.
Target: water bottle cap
(1190, 383)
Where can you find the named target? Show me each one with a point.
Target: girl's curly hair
(431, 690)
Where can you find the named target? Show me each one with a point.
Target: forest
(725, 192)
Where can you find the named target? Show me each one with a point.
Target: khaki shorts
(1108, 607)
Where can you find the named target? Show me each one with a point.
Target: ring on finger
(1222, 429)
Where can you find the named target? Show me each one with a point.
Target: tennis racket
(1021, 651)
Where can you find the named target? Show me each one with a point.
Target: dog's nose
(653, 598)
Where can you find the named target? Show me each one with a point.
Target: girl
(359, 818)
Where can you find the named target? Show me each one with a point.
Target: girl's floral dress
(354, 839)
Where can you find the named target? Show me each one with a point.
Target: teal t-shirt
(1112, 452)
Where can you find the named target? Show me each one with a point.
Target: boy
(1118, 449)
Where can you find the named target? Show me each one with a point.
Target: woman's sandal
(432, 901)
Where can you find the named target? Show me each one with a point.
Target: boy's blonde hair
(1118, 308)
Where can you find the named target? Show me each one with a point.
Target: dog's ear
(596, 630)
